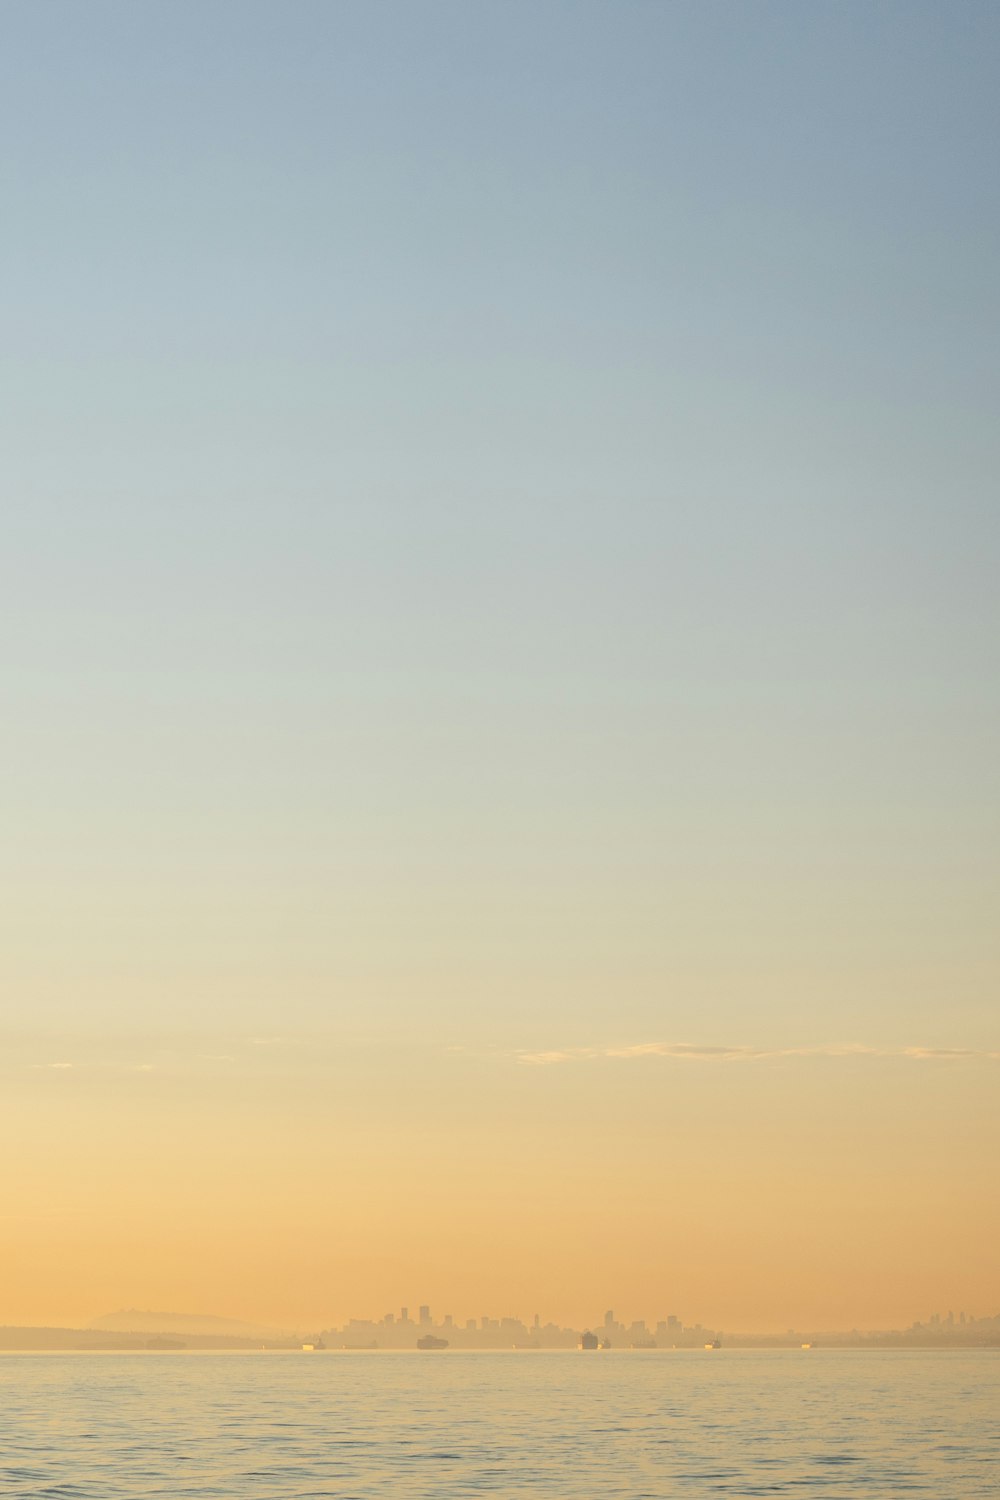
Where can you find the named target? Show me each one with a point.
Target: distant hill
(135, 1320)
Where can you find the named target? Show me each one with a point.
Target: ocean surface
(617, 1424)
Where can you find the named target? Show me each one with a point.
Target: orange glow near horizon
(304, 1182)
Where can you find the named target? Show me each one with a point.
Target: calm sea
(634, 1425)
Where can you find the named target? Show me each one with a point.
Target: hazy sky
(499, 584)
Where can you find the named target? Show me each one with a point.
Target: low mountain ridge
(136, 1320)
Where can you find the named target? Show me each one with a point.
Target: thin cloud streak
(112, 1067)
(687, 1052)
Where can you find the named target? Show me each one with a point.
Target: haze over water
(647, 1426)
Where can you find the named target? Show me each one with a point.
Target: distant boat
(431, 1341)
(715, 1344)
(589, 1340)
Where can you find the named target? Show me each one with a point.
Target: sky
(500, 659)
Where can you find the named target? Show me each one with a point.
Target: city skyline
(397, 1331)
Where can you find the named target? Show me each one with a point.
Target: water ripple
(665, 1426)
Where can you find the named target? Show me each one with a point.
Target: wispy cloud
(90, 1066)
(945, 1052)
(690, 1052)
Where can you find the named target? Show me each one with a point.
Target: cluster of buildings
(961, 1331)
(400, 1331)
(171, 1332)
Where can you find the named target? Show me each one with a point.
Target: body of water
(627, 1426)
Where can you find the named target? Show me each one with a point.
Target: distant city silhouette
(165, 1331)
(399, 1331)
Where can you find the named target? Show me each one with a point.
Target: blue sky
(500, 518)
